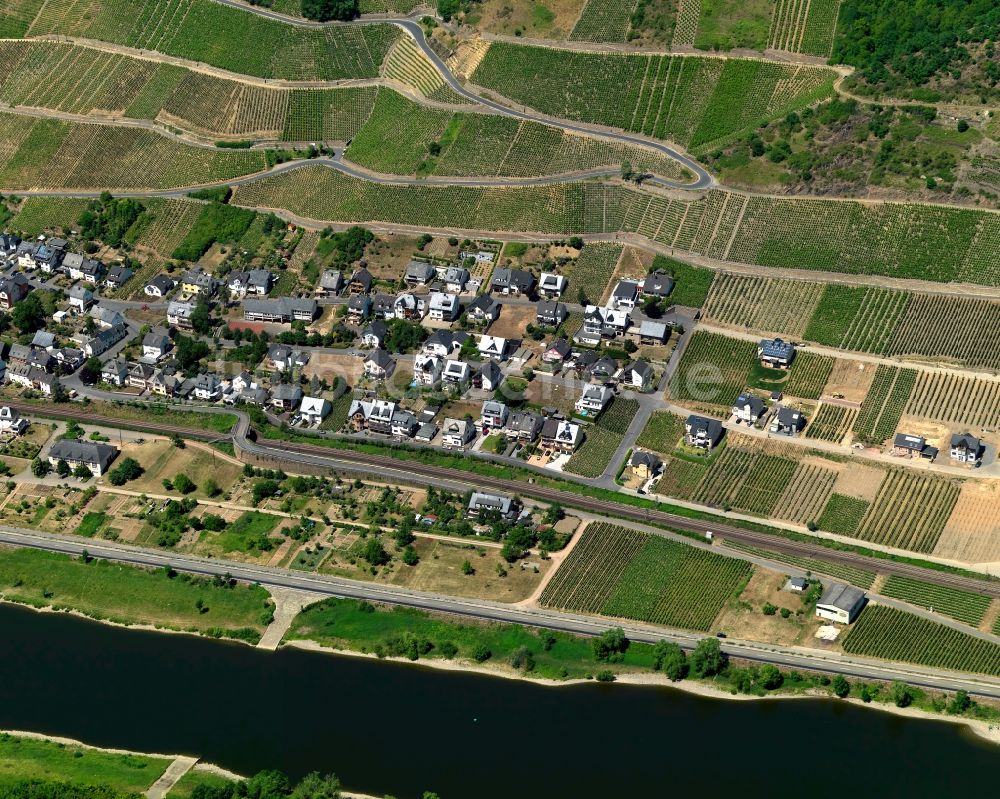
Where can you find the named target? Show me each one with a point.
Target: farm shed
(840, 603)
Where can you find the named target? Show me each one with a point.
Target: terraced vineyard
(885, 632)
(407, 64)
(831, 423)
(882, 408)
(38, 214)
(955, 399)
(214, 34)
(859, 577)
(603, 438)
(910, 510)
(327, 114)
(928, 329)
(16, 16)
(964, 606)
(766, 304)
(590, 274)
(713, 369)
(615, 571)
(808, 375)
(604, 21)
(804, 26)
(50, 154)
(698, 102)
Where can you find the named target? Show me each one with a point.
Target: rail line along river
(400, 729)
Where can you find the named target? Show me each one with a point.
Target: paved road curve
(495, 611)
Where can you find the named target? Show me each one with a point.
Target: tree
(211, 488)
(90, 372)
(448, 8)
(28, 314)
(707, 658)
(183, 483)
(410, 556)
(611, 644)
(960, 703)
(962, 126)
(82, 472)
(326, 10)
(627, 172)
(671, 660)
(201, 316)
(188, 351)
(481, 653)
(902, 694)
(770, 677)
(313, 786)
(40, 468)
(467, 568)
(128, 469)
(375, 553)
(62, 468)
(841, 687)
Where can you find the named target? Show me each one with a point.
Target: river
(400, 729)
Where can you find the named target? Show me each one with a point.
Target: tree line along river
(401, 729)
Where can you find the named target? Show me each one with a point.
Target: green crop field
(910, 510)
(692, 284)
(603, 438)
(616, 571)
(662, 432)
(745, 480)
(590, 275)
(808, 375)
(603, 21)
(857, 317)
(885, 632)
(201, 30)
(831, 423)
(806, 494)
(66, 155)
(883, 406)
(859, 577)
(804, 26)
(697, 102)
(964, 606)
(407, 64)
(713, 369)
(680, 478)
(843, 514)
(970, 402)
(38, 214)
(760, 303)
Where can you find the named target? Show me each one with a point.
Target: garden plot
(860, 481)
(972, 532)
(328, 366)
(744, 619)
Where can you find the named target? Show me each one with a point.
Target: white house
(638, 375)
(106, 317)
(409, 306)
(490, 376)
(493, 414)
(314, 409)
(593, 400)
(443, 307)
(159, 286)
(493, 347)
(561, 436)
(379, 365)
(427, 369)
(749, 408)
(551, 285)
(80, 298)
(373, 336)
(457, 433)
(11, 421)
(625, 295)
(456, 371)
(155, 345)
(179, 314)
(966, 448)
(207, 388)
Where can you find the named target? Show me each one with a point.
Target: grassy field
(892, 634)
(616, 571)
(201, 30)
(961, 605)
(348, 624)
(692, 284)
(33, 759)
(163, 414)
(713, 369)
(591, 273)
(697, 102)
(187, 784)
(129, 595)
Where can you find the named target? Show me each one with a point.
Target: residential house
(524, 425)
(427, 369)
(645, 465)
(13, 289)
(48, 259)
(512, 282)
(43, 339)
(840, 603)
(361, 282)
(426, 432)
(419, 274)
(69, 359)
(550, 313)
(483, 310)
(164, 383)
(703, 433)
(657, 284)
(252, 283)
(159, 286)
(493, 347)
(331, 283)
(493, 414)
(80, 298)
(561, 435)
(455, 278)
(489, 377)
(19, 354)
(25, 255)
(8, 246)
(198, 282)
(602, 323)
(787, 421)
(280, 309)
(551, 286)
(118, 276)
(492, 505)
(456, 372)
(404, 424)
(374, 334)
(652, 332)
(373, 415)
(905, 445)
(358, 308)
(286, 396)
(282, 357)
(140, 374)
(93, 454)
(966, 448)
(207, 388)
(638, 375)
(603, 370)
(104, 340)
(593, 399)
(114, 372)
(10, 420)
(155, 345)
(625, 295)
(314, 410)
(85, 269)
(379, 365)
(383, 306)
(410, 307)
(179, 314)
(444, 343)
(106, 317)
(443, 307)
(749, 408)
(775, 353)
(556, 351)
(457, 433)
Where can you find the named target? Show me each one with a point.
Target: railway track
(345, 458)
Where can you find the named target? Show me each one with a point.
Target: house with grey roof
(95, 455)
(512, 282)
(118, 275)
(703, 433)
(483, 310)
(787, 421)
(524, 425)
(379, 365)
(106, 317)
(179, 314)
(457, 433)
(286, 396)
(906, 445)
(492, 504)
(593, 399)
(155, 344)
(409, 306)
(550, 313)
(359, 307)
(551, 286)
(966, 448)
(489, 377)
(748, 408)
(280, 309)
(657, 284)
(80, 298)
(645, 464)
(653, 332)
(361, 282)
(443, 307)
(252, 282)
(207, 387)
(625, 295)
(373, 335)
(159, 286)
(493, 414)
(419, 273)
(638, 375)
(455, 278)
(840, 603)
(114, 372)
(561, 435)
(331, 283)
